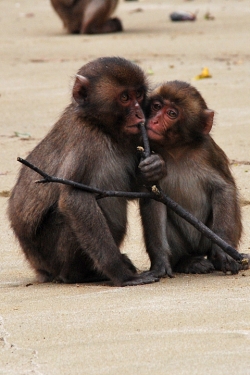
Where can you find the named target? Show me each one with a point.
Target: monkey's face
(163, 119)
(177, 115)
(115, 108)
(130, 102)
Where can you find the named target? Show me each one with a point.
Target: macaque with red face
(88, 16)
(197, 177)
(66, 234)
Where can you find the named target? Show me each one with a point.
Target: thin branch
(87, 188)
(145, 140)
(156, 194)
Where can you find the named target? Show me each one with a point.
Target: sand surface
(192, 324)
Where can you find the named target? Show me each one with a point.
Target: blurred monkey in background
(88, 16)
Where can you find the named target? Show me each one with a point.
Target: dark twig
(156, 194)
(87, 188)
(145, 140)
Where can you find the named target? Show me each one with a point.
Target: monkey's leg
(54, 252)
(93, 235)
(75, 265)
(154, 215)
(39, 244)
(226, 223)
(188, 253)
(166, 246)
(82, 270)
(96, 18)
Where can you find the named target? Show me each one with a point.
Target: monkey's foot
(143, 278)
(195, 264)
(162, 269)
(112, 25)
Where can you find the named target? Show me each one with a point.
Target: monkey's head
(110, 93)
(177, 114)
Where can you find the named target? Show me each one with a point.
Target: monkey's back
(192, 181)
(60, 154)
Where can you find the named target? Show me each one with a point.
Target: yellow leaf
(204, 74)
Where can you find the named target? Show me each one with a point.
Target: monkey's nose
(139, 115)
(155, 121)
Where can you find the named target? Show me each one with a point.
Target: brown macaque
(88, 16)
(198, 178)
(66, 234)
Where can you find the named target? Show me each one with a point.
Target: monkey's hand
(153, 168)
(223, 262)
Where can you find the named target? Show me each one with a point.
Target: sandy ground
(192, 324)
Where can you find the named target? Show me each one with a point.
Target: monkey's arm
(226, 223)
(154, 219)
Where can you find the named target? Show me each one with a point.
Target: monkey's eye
(139, 94)
(124, 97)
(172, 113)
(156, 106)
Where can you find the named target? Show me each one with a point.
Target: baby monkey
(197, 177)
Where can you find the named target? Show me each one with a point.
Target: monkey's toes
(163, 270)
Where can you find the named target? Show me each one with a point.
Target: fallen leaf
(22, 135)
(150, 72)
(204, 74)
(5, 193)
(208, 16)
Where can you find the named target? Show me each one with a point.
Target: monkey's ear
(80, 89)
(209, 121)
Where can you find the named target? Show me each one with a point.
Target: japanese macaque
(88, 16)
(197, 177)
(66, 234)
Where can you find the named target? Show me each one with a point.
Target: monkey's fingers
(223, 262)
(162, 269)
(153, 168)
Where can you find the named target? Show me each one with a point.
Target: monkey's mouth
(151, 130)
(132, 129)
(135, 126)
